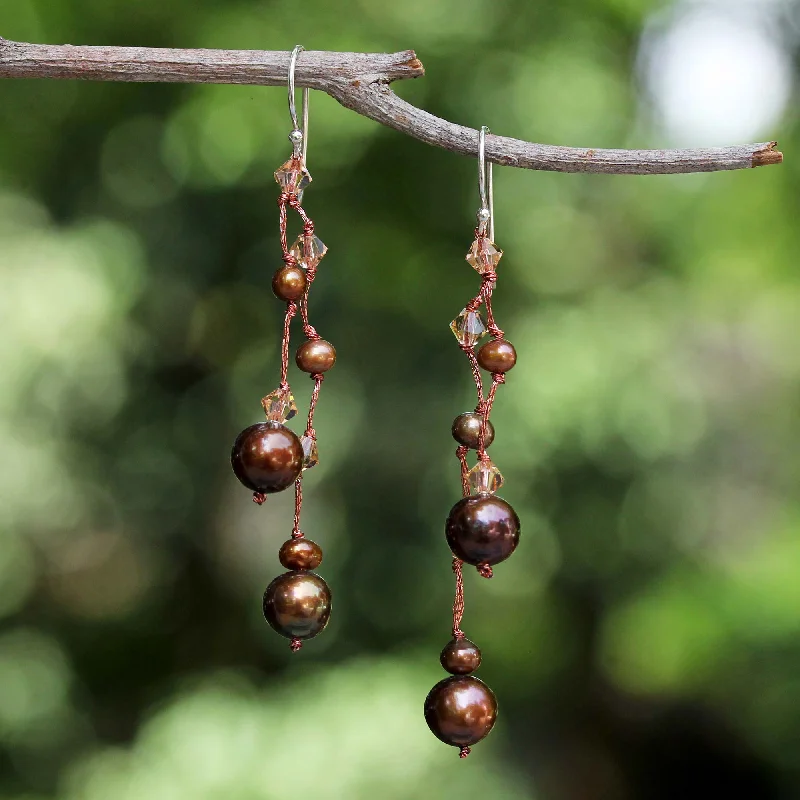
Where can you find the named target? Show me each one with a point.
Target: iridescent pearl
(460, 710)
(482, 529)
(267, 457)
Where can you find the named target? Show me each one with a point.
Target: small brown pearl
(289, 283)
(498, 355)
(467, 430)
(267, 457)
(300, 554)
(460, 657)
(315, 356)
(297, 604)
(460, 710)
(482, 529)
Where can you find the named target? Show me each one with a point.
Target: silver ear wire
(299, 136)
(485, 186)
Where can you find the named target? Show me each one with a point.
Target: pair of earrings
(482, 529)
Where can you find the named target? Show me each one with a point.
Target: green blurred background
(644, 641)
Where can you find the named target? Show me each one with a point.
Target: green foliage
(648, 435)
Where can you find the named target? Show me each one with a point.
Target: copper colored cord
(461, 455)
(295, 644)
(469, 351)
(491, 325)
(291, 200)
(312, 406)
(458, 602)
(484, 408)
(298, 506)
(288, 258)
(308, 226)
(464, 752)
(291, 310)
(308, 329)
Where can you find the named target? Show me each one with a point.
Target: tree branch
(360, 82)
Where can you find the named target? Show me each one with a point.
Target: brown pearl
(297, 604)
(498, 355)
(460, 710)
(460, 657)
(315, 356)
(467, 430)
(267, 457)
(289, 283)
(482, 529)
(300, 554)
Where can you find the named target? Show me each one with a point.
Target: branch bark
(360, 82)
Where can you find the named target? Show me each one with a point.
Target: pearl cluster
(269, 457)
(482, 529)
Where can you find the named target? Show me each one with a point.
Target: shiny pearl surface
(460, 710)
(498, 355)
(297, 604)
(267, 457)
(315, 356)
(300, 554)
(482, 529)
(289, 283)
(460, 657)
(467, 430)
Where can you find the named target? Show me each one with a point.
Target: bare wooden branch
(360, 82)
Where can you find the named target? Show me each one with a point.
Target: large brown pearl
(297, 604)
(315, 356)
(460, 710)
(467, 430)
(300, 554)
(460, 657)
(498, 355)
(482, 529)
(289, 283)
(267, 457)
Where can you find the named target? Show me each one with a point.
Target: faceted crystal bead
(308, 250)
(279, 405)
(484, 478)
(292, 177)
(468, 327)
(310, 453)
(484, 254)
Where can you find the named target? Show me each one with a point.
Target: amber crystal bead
(300, 554)
(315, 356)
(267, 457)
(498, 355)
(289, 283)
(297, 604)
(292, 176)
(310, 451)
(468, 327)
(279, 405)
(460, 657)
(309, 250)
(482, 529)
(461, 710)
(484, 254)
(467, 430)
(485, 477)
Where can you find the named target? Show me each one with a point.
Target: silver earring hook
(298, 136)
(485, 186)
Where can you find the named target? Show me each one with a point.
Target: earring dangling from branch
(268, 457)
(482, 529)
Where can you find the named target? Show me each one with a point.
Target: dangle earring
(482, 529)
(268, 457)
